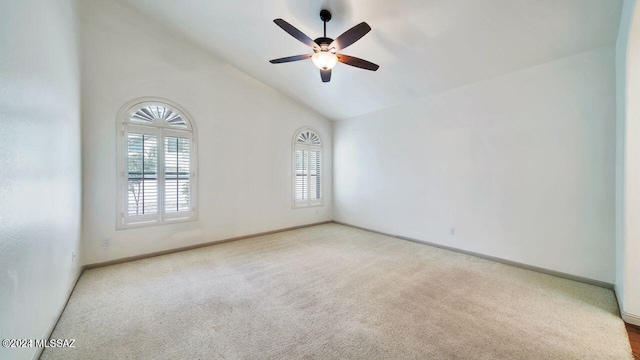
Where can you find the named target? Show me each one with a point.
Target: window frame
(308, 147)
(161, 130)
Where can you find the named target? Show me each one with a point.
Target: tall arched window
(156, 164)
(307, 168)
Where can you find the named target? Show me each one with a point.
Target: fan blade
(290, 59)
(295, 32)
(325, 75)
(350, 36)
(357, 62)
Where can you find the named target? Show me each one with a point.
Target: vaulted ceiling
(422, 46)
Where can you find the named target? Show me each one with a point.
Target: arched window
(307, 168)
(156, 164)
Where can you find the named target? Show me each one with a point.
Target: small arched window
(307, 168)
(156, 164)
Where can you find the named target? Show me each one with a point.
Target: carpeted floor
(334, 292)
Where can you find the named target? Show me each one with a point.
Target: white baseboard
(577, 278)
(47, 335)
(195, 246)
(630, 318)
(626, 317)
(38, 352)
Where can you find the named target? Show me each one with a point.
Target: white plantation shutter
(301, 177)
(156, 165)
(177, 173)
(142, 174)
(154, 114)
(307, 179)
(315, 190)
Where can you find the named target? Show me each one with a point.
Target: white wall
(245, 131)
(40, 180)
(628, 163)
(521, 165)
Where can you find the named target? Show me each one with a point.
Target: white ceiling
(422, 46)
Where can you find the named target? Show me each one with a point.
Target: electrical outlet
(73, 256)
(106, 242)
(452, 231)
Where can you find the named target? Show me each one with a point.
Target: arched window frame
(307, 140)
(161, 129)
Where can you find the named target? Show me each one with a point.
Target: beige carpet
(334, 292)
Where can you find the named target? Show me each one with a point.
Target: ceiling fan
(325, 49)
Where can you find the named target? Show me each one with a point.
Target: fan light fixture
(324, 60)
(325, 49)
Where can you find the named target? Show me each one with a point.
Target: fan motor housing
(323, 41)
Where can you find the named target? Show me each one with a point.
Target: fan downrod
(325, 16)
